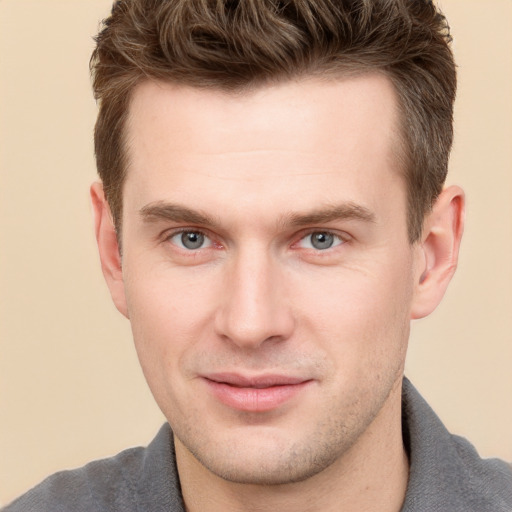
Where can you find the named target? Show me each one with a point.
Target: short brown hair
(233, 44)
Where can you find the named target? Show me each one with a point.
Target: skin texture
(256, 174)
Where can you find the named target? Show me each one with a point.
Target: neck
(372, 475)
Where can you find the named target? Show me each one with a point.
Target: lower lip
(255, 399)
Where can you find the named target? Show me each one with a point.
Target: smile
(257, 394)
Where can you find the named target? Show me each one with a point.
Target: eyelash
(342, 238)
(170, 235)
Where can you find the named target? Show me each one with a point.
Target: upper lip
(255, 381)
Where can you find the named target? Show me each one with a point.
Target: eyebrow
(345, 211)
(161, 210)
(154, 212)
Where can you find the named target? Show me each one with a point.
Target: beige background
(70, 386)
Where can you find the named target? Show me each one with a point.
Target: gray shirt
(446, 475)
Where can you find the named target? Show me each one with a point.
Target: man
(270, 218)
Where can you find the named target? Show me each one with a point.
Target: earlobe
(438, 251)
(108, 247)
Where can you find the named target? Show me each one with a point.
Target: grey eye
(321, 240)
(191, 240)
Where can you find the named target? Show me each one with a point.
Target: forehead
(298, 107)
(297, 139)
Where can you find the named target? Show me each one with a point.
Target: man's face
(267, 271)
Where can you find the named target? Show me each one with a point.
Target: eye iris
(322, 240)
(192, 240)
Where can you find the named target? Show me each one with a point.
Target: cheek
(360, 316)
(164, 336)
(168, 303)
(170, 317)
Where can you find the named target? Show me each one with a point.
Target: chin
(268, 463)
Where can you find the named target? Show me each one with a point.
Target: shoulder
(119, 483)
(489, 480)
(95, 486)
(446, 472)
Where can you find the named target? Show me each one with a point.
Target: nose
(255, 307)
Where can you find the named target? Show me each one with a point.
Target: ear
(438, 251)
(108, 247)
